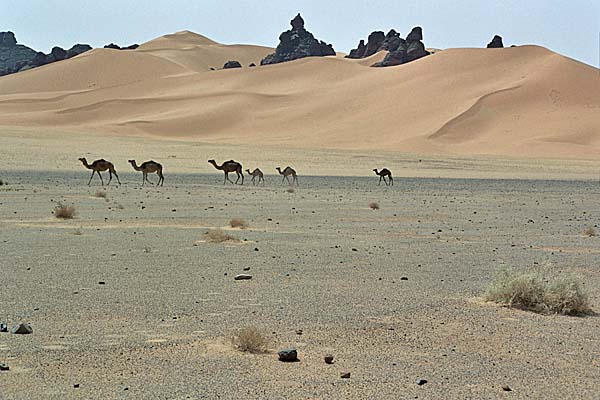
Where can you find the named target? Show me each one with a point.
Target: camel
(286, 175)
(149, 167)
(382, 174)
(98, 166)
(227, 167)
(256, 173)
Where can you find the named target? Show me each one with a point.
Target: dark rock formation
(496, 43)
(232, 64)
(252, 65)
(16, 57)
(288, 355)
(402, 51)
(359, 51)
(298, 43)
(117, 47)
(376, 42)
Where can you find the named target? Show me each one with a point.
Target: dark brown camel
(99, 166)
(382, 174)
(149, 167)
(227, 167)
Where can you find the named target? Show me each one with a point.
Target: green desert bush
(250, 340)
(239, 223)
(218, 236)
(534, 291)
(64, 212)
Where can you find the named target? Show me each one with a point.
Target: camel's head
(82, 159)
(278, 169)
(248, 171)
(212, 161)
(375, 170)
(131, 161)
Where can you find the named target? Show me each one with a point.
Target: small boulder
(345, 375)
(421, 382)
(328, 359)
(3, 327)
(242, 277)
(232, 64)
(288, 355)
(22, 329)
(496, 43)
(4, 367)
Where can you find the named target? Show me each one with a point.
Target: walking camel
(286, 175)
(149, 167)
(227, 167)
(256, 173)
(99, 166)
(382, 174)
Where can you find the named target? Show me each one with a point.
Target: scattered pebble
(242, 277)
(506, 388)
(421, 382)
(345, 375)
(404, 278)
(101, 283)
(4, 367)
(288, 355)
(22, 329)
(75, 386)
(3, 327)
(299, 332)
(328, 359)
(246, 268)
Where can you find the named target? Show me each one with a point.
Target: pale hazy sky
(567, 27)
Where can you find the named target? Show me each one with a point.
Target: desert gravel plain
(395, 294)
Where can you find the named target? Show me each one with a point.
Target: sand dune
(524, 101)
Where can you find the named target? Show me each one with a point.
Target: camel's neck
(135, 166)
(85, 164)
(217, 166)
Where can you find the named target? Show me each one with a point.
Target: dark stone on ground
(22, 329)
(506, 388)
(288, 355)
(297, 43)
(3, 327)
(232, 64)
(242, 277)
(252, 65)
(496, 43)
(345, 375)
(421, 382)
(4, 367)
(328, 359)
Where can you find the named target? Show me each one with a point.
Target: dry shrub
(291, 190)
(590, 232)
(239, 223)
(250, 340)
(374, 205)
(535, 292)
(64, 212)
(218, 236)
(1, 182)
(100, 194)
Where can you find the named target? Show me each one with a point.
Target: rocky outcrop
(376, 42)
(232, 64)
(17, 57)
(117, 47)
(298, 43)
(496, 43)
(404, 50)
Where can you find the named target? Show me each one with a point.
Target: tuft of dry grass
(239, 223)
(100, 194)
(218, 236)
(374, 205)
(535, 292)
(250, 340)
(1, 182)
(590, 232)
(64, 212)
(290, 190)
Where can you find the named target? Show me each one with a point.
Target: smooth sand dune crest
(524, 101)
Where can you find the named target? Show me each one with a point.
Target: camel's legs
(161, 178)
(287, 177)
(90, 181)
(227, 178)
(238, 178)
(118, 181)
(296, 180)
(261, 178)
(146, 178)
(380, 177)
(391, 181)
(100, 175)
(109, 177)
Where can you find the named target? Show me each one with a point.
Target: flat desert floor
(127, 300)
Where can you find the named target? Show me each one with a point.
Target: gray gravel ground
(322, 261)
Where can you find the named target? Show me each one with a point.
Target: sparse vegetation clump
(239, 223)
(218, 236)
(1, 182)
(100, 194)
(374, 205)
(590, 232)
(290, 190)
(535, 292)
(64, 212)
(250, 340)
